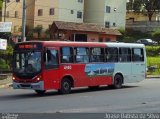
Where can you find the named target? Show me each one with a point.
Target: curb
(152, 76)
(7, 85)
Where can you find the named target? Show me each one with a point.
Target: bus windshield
(27, 63)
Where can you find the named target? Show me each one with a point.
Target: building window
(108, 9)
(79, 14)
(16, 14)
(40, 12)
(17, 0)
(107, 24)
(80, 1)
(72, 11)
(51, 11)
(114, 24)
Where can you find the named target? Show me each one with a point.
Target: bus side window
(81, 55)
(111, 54)
(97, 55)
(66, 55)
(137, 55)
(51, 59)
(124, 54)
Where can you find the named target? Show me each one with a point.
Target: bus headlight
(13, 78)
(39, 78)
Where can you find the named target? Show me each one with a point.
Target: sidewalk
(153, 76)
(7, 82)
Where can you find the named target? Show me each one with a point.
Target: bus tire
(118, 81)
(40, 92)
(65, 86)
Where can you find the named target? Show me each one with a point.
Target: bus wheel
(118, 80)
(40, 92)
(65, 86)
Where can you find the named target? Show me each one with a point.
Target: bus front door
(51, 69)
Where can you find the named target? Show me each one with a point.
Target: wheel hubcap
(66, 86)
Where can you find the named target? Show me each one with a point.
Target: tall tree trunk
(150, 14)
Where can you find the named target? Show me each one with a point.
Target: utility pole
(24, 21)
(5, 7)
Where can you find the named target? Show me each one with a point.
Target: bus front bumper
(34, 86)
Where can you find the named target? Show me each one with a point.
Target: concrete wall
(95, 12)
(62, 11)
(65, 10)
(92, 37)
(117, 14)
(143, 26)
(140, 16)
(45, 20)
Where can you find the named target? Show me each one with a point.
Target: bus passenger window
(111, 54)
(124, 54)
(82, 55)
(97, 55)
(51, 59)
(66, 55)
(137, 55)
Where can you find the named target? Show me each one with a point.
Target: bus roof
(85, 44)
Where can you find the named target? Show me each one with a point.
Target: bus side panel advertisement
(93, 70)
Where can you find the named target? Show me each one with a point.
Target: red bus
(48, 65)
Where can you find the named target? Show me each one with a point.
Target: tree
(47, 33)
(6, 57)
(38, 29)
(148, 7)
(130, 5)
(156, 35)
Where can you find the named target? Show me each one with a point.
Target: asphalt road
(142, 97)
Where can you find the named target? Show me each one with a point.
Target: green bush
(156, 35)
(153, 50)
(3, 65)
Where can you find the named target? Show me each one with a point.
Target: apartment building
(13, 14)
(106, 13)
(43, 12)
(47, 11)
